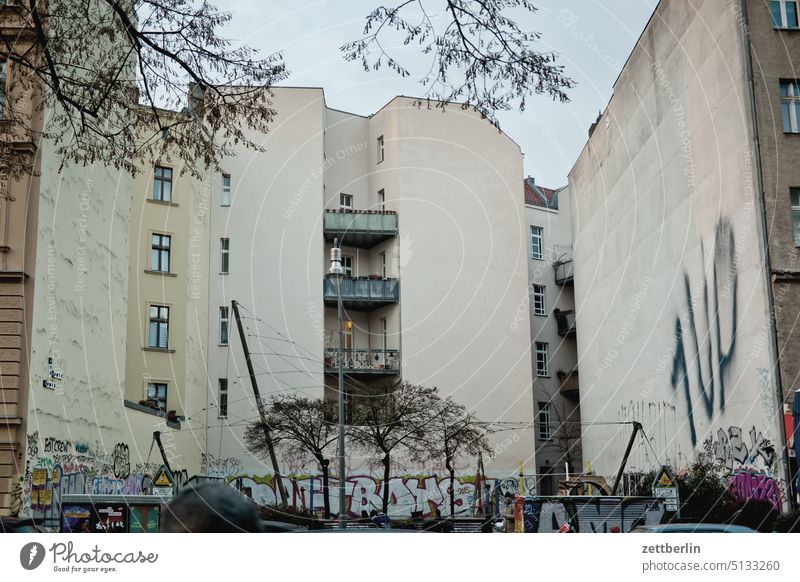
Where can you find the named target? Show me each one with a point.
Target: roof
(536, 195)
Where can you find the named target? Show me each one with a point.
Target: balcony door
(347, 342)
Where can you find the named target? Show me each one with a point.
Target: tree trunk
(325, 488)
(452, 472)
(385, 500)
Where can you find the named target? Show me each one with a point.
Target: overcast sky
(594, 39)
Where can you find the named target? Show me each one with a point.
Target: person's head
(373, 513)
(211, 508)
(364, 513)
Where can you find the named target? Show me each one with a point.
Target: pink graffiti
(745, 485)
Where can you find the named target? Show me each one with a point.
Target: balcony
(363, 362)
(362, 293)
(566, 322)
(362, 229)
(569, 384)
(564, 272)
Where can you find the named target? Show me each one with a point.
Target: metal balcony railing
(359, 228)
(569, 383)
(564, 272)
(566, 322)
(362, 293)
(363, 361)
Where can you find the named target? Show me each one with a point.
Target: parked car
(686, 528)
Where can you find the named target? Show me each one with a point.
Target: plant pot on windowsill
(172, 416)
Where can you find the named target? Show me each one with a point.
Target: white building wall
(667, 249)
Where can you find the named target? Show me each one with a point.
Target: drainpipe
(783, 457)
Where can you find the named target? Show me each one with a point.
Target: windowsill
(225, 205)
(162, 273)
(152, 411)
(162, 350)
(162, 202)
(223, 345)
(227, 273)
(542, 375)
(786, 28)
(540, 315)
(537, 258)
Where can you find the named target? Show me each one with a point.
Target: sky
(593, 38)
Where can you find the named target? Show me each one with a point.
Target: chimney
(594, 125)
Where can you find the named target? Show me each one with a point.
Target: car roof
(693, 528)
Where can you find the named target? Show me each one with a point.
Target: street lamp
(337, 272)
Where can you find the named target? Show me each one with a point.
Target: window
(226, 190)
(345, 201)
(2, 87)
(383, 265)
(157, 396)
(347, 265)
(223, 326)
(795, 196)
(223, 397)
(159, 253)
(536, 243)
(784, 13)
(224, 255)
(380, 149)
(159, 327)
(541, 359)
(545, 433)
(381, 200)
(538, 300)
(162, 184)
(790, 106)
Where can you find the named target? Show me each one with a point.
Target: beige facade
(168, 269)
(670, 278)
(435, 291)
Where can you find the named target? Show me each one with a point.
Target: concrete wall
(551, 455)
(669, 282)
(454, 181)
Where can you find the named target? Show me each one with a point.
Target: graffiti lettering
(746, 485)
(122, 461)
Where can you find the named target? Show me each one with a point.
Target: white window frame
(381, 149)
(222, 398)
(224, 325)
(792, 98)
(162, 179)
(226, 190)
(345, 201)
(538, 292)
(155, 386)
(795, 214)
(784, 23)
(224, 256)
(537, 237)
(159, 322)
(382, 200)
(542, 364)
(347, 265)
(163, 251)
(545, 422)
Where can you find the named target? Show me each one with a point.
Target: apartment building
(167, 310)
(685, 248)
(427, 209)
(64, 301)
(556, 392)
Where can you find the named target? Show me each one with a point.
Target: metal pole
(342, 475)
(260, 406)
(636, 428)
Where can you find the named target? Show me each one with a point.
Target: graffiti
(16, 498)
(122, 461)
(746, 485)
(590, 515)
(731, 449)
(422, 495)
(54, 445)
(707, 352)
(214, 467)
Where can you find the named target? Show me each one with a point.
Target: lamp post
(337, 271)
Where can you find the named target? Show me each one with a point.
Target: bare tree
(480, 56)
(109, 74)
(393, 420)
(455, 432)
(566, 433)
(302, 427)
(106, 71)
